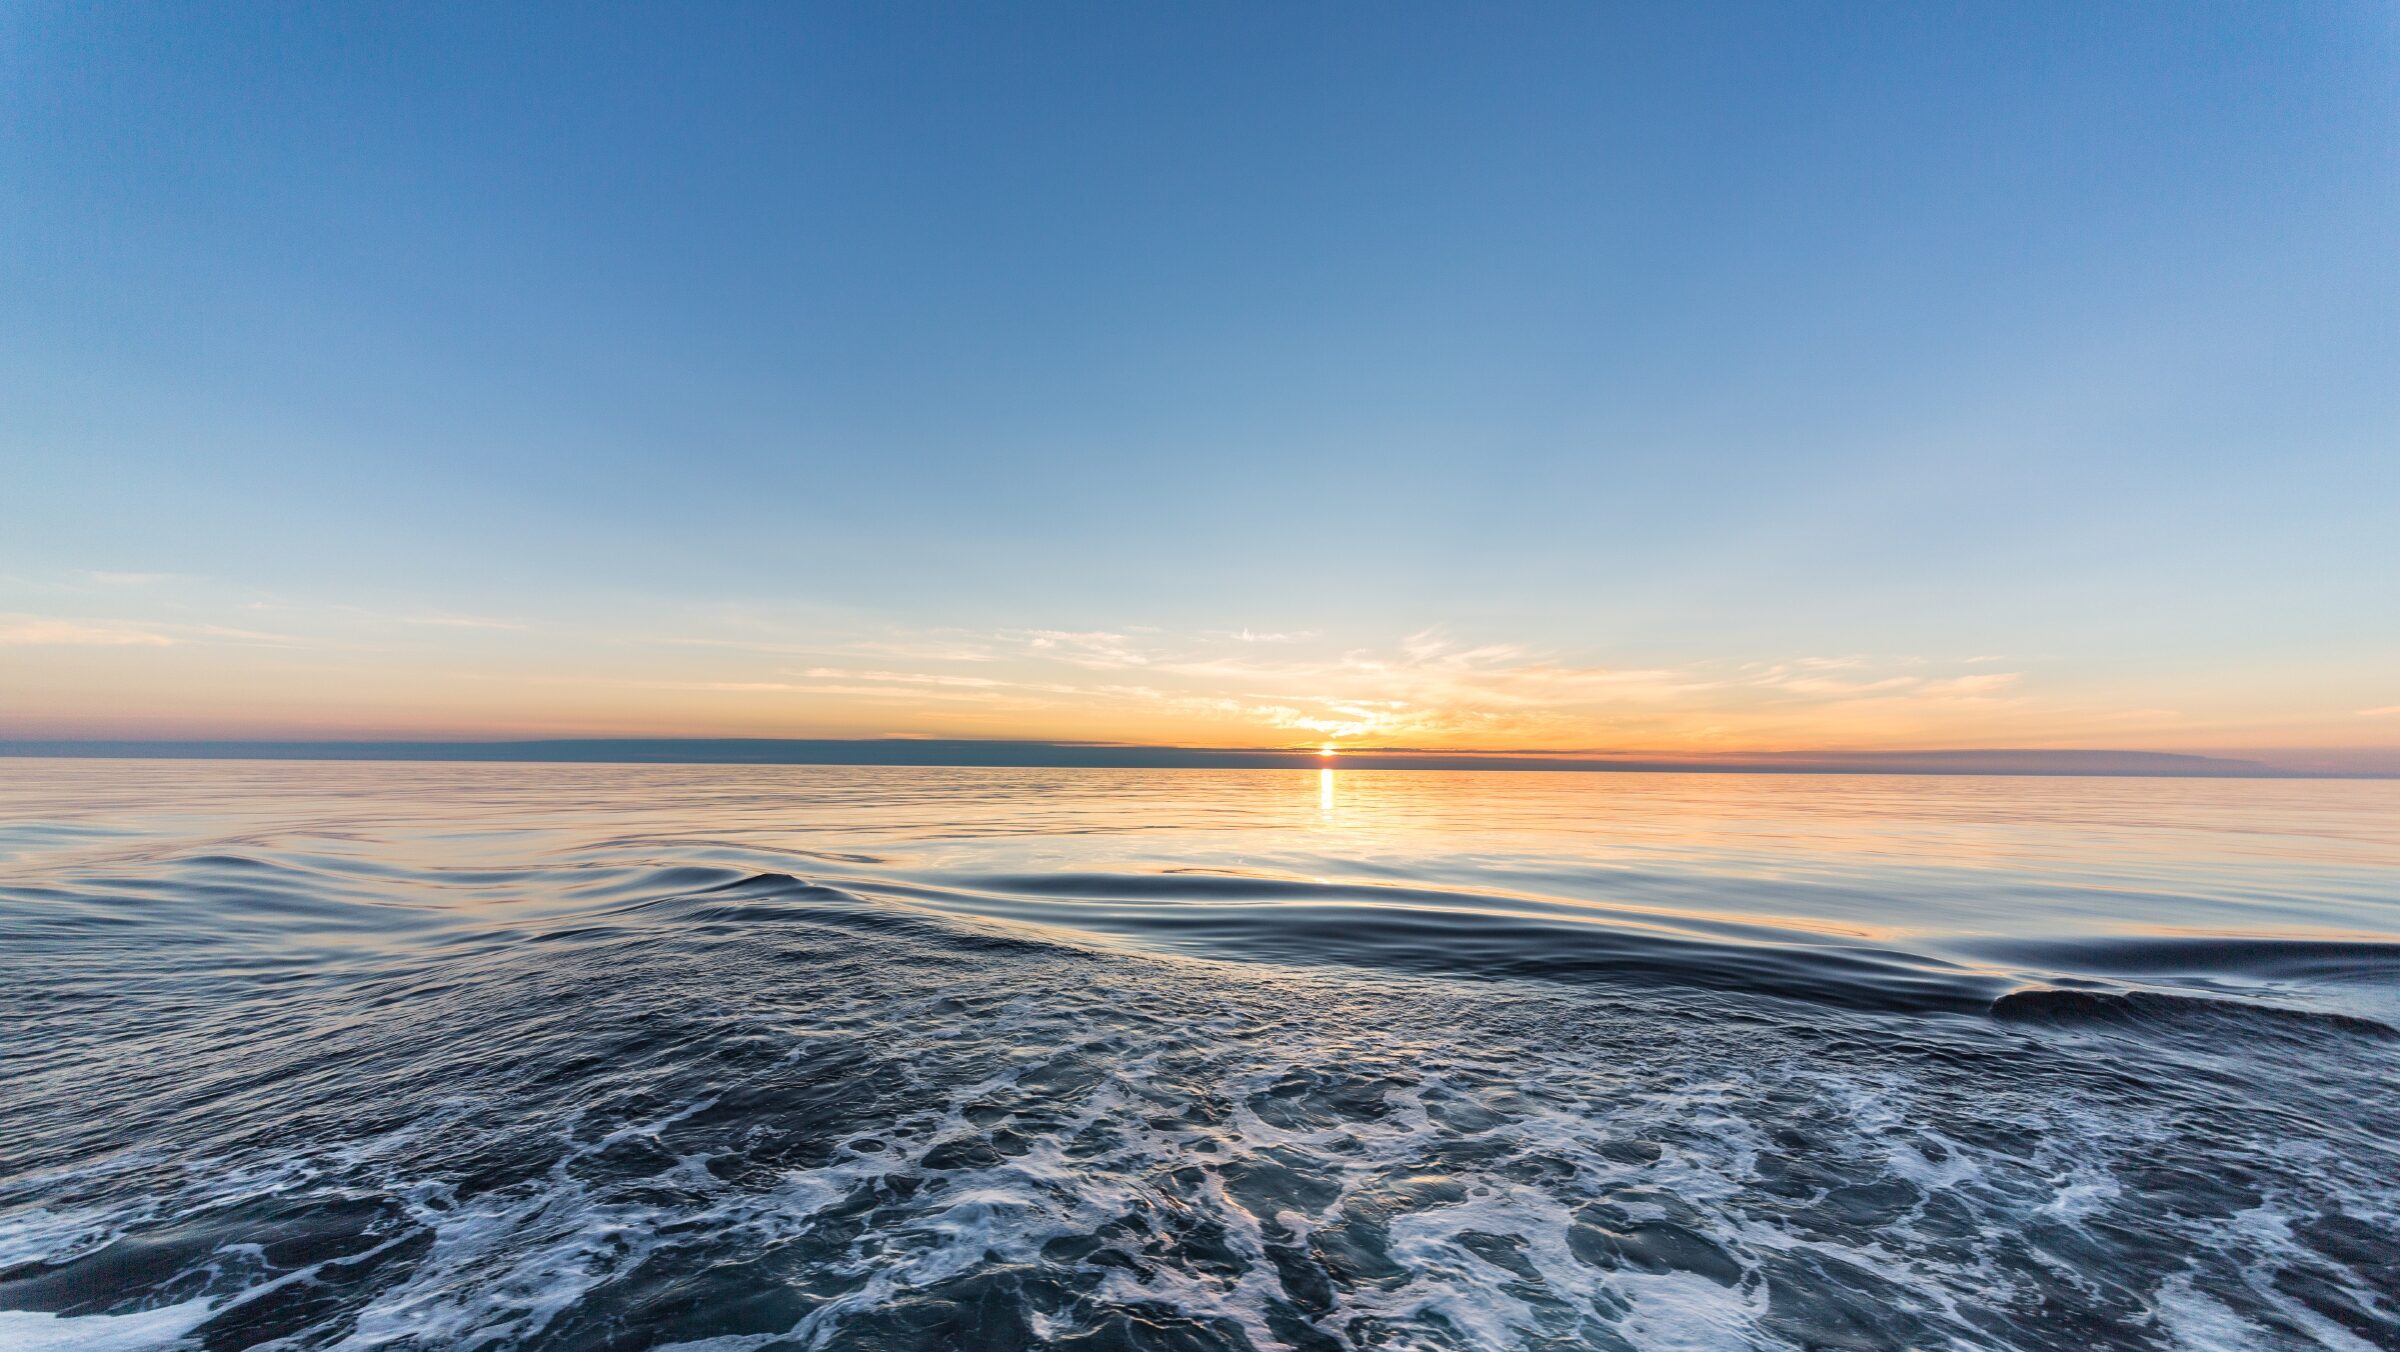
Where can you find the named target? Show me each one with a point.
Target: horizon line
(1006, 753)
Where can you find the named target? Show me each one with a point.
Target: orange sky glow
(293, 671)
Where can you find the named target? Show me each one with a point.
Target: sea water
(432, 1056)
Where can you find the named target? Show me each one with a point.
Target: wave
(2166, 1009)
(1418, 931)
(2265, 957)
(243, 916)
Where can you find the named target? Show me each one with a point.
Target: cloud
(101, 578)
(447, 621)
(921, 651)
(1832, 685)
(2381, 711)
(1965, 687)
(37, 630)
(430, 618)
(1087, 648)
(1429, 688)
(901, 677)
(903, 692)
(931, 650)
(640, 683)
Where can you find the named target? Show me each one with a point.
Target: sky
(1593, 377)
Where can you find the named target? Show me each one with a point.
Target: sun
(1325, 750)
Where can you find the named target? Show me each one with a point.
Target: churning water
(411, 1056)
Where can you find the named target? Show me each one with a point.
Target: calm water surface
(422, 1056)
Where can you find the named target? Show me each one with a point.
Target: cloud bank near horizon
(180, 658)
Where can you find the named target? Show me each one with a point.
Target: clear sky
(1593, 376)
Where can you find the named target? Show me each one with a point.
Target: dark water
(402, 1056)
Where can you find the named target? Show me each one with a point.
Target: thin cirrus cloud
(42, 631)
(731, 671)
(1215, 687)
(1423, 690)
(107, 578)
(52, 631)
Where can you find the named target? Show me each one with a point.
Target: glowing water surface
(385, 1055)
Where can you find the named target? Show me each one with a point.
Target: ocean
(383, 1055)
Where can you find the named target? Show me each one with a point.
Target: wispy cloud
(43, 631)
(351, 615)
(903, 677)
(1090, 648)
(930, 650)
(442, 620)
(53, 631)
(1256, 636)
(1430, 688)
(104, 578)
(758, 670)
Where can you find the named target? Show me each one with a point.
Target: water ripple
(356, 1057)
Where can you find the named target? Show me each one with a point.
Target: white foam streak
(145, 1331)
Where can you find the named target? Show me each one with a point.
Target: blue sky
(351, 353)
